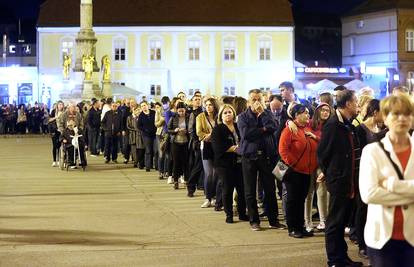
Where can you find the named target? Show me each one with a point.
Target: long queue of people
(24, 119)
(230, 148)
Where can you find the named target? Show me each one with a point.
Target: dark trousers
(195, 170)
(179, 153)
(55, 145)
(93, 135)
(72, 153)
(149, 145)
(126, 149)
(395, 253)
(251, 167)
(360, 220)
(232, 177)
(339, 212)
(111, 147)
(297, 187)
(138, 156)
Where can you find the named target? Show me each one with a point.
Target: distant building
(163, 47)
(378, 41)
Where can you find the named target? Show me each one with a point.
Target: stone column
(86, 40)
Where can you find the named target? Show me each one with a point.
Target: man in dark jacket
(93, 123)
(257, 146)
(337, 152)
(146, 123)
(112, 126)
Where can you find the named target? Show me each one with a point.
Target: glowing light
(396, 77)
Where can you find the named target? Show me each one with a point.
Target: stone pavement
(114, 215)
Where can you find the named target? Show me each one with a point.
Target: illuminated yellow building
(219, 47)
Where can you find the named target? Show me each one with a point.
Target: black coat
(112, 123)
(336, 155)
(222, 139)
(146, 123)
(94, 119)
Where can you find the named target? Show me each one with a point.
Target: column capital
(86, 2)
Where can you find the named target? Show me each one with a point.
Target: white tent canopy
(324, 85)
(355, 85)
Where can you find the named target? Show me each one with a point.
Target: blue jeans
(210, 181)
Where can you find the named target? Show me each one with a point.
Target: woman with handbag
(298, 151)
(387, 185)
(225, 140)
(205, 122)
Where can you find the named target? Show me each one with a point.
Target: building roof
(370, 6)
(58, 13)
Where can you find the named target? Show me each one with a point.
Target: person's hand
(292, 127)
(176, 130)
(65, 141)
(258, 107)
(123, 133)
(320, 178)
(384, 183)
(182, 131)
(311, 135)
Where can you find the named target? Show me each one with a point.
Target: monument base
(106, 89)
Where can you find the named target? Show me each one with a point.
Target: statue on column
(67, 62)
(106, 68)
(87, 66)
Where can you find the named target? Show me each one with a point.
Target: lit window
(26, 50)
(229, 50)
(229, 88)
(120, 50)
(12, 49)
(155, 50)
(352, 46)
(264, 49)
(409, 38)
(155, 90)
(194, 50)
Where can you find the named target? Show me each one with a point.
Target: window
(120, 50)
(229, 88)
(194, 50)
(155, 90)
(352, 46)
(67, 47)
(264, 89)
(264, 49)
(26, 50)
(155, 50)
(12, 49)
(409, 38)
(229, 50)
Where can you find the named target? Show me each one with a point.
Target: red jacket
(291, 147)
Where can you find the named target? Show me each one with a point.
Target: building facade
(378, 42)
(162, 58)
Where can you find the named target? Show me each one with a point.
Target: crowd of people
(350, 149)
(24, 119)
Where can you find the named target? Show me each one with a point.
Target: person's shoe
(277, 225)
(255, 227)
(321, 226)
(170, 180)
(165, 175)
(363, 253)
(351, 263)
(176, 185)
(147, 170)
(135, 165)
(126, 161)
(73, 167)
(181, 180)
(307, 233)
(54, 164)
(229, 219)
(160, 176)
(106, 161)
(93, 155)
(213, 202)
(115, 161)
(295, 234)
(244, 218)
(206, 204)
(141, 167)
(263, 214)
(218, 208)
(190, 194)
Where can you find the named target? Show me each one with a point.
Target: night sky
(325, 13)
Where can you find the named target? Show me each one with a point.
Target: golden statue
(67, 62)
(106, 68)
(87, 65)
